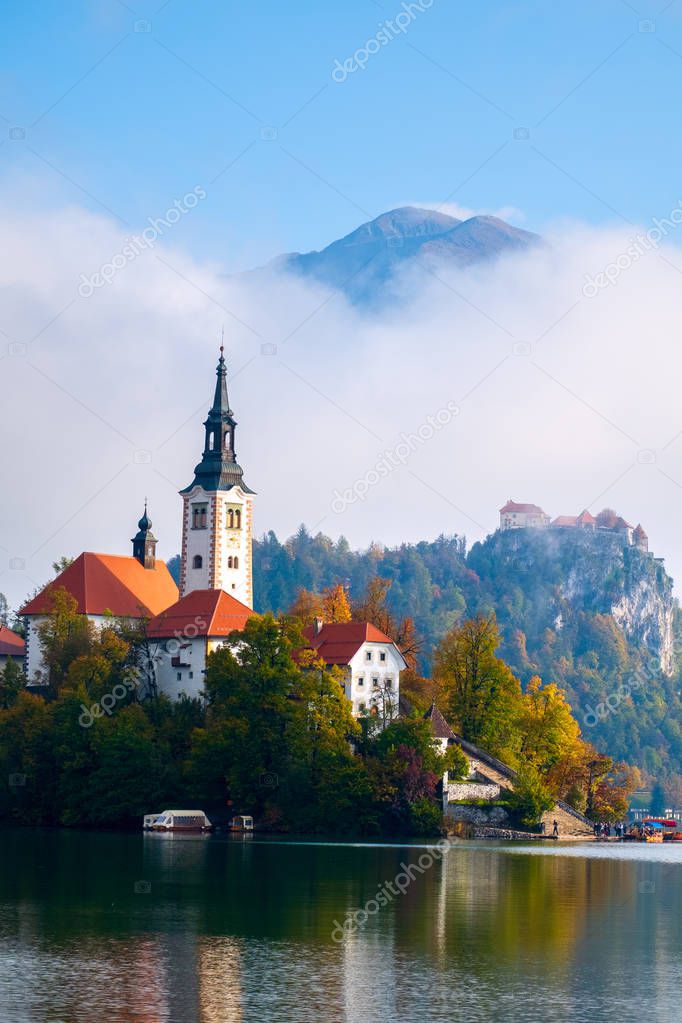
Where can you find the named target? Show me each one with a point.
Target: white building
(182, 637)
(522, 516)
(217, 521)
(370, 661)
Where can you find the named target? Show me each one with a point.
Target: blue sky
(111, 112)
(127, 106)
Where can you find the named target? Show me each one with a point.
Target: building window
(179, 676)
(230, 518)
(197, 561)
(382, 655)
(199, 516)
(236, 562)
(368, 655)
(389, 683)
(361, 681)
(375, 681)
(229, 562)
(191, 674)
(237, 519)
(227, 440)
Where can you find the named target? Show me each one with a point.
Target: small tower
(217, 509)
(144, 544)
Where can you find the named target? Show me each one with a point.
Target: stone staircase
(572, 824)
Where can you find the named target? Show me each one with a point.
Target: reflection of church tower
(217, 512)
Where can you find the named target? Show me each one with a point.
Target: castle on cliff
(531, 516)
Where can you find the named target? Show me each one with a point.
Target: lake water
(106, 928)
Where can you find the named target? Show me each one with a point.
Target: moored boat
(181, 820)
(242, 822)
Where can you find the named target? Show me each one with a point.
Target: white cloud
(130, 369)
(509, 213)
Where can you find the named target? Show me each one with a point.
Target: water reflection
(156, 928)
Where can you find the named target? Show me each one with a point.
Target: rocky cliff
(566, 572)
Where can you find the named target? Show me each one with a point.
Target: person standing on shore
(555, 829)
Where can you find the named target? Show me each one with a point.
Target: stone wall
(472, 790)
(492, 816)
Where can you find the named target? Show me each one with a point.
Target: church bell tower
(144, 543)
(217, 509)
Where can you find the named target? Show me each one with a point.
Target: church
(215, 597)
(216, 586)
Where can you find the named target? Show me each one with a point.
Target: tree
(64, 635)
(482, 695)
(549, 732)
(335, 606)
(12, 682)
(307, 607)
(4, 610)
(657, 803)
(530, 797)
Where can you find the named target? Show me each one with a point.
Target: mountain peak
(364, 263)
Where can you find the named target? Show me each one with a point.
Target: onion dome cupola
(144, 543)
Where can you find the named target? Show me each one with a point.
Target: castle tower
(217, 509)
(144, 544)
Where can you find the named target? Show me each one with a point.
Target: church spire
(219, 469)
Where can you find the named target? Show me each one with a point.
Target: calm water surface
(148, 929)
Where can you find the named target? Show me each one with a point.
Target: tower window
(229, 562)
(228, 444)
(236, 562)
(230, 518)
(211, 441)
(197, 561)
(237, 519)
(199, 516)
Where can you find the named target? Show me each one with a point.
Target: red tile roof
(204, 612)
(11, 645)
(512, 506)
(565, 520)
(639, 532)
(586, 519)
(338, 642)
(110, 583)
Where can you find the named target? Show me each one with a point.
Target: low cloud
(563, 400)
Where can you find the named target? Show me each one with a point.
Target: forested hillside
(581, 610)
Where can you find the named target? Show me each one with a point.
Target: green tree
(530, 797)
(482, 695)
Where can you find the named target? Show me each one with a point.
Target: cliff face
(564, 573)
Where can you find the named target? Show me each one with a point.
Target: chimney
(317, 626)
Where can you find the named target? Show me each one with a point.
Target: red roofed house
(582, 521)
(371, 663)
(12, 647)
(103, 585)
(522, 516)
(182, 637)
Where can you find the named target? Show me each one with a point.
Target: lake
(108, 928)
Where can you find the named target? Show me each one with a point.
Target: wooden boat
(182, 820)
(242, 822)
